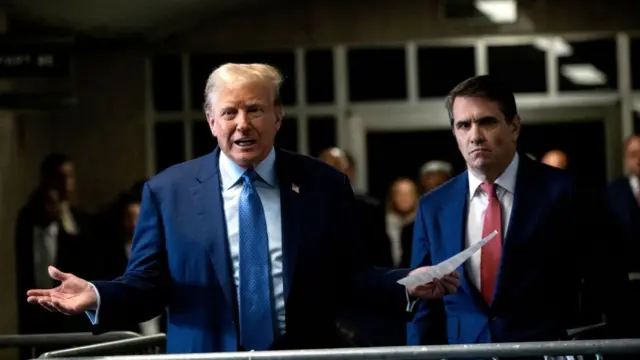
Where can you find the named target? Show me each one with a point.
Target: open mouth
(245, 142)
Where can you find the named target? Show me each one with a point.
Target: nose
(242, 121)
(475, 135)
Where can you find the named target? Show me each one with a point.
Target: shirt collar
(230, 172)
(507, 180)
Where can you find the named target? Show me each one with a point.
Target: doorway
(590, 136)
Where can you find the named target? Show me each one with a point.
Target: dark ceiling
(150, 19)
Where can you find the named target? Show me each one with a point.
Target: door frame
(433, 116)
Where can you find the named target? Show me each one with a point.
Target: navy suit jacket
(625, 206)
(554, 240)
(180, 258)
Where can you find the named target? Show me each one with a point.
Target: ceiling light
(498, 11)
(559, 46)
(583, 74)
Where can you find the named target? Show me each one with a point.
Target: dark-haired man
(525, 283)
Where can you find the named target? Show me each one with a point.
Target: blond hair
(232, 75)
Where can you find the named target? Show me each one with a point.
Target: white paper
(447, 266)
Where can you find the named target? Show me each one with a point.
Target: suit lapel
(291, 195)
(209, 208)
(454, 225)
(524, 218)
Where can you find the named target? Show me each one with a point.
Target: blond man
(249, 247)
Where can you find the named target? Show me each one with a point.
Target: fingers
(56, 305)
(46, 304)
(39, 292)
(57, 274)
(449, 287)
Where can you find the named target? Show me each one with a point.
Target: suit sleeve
(427, 324)
(141, 293)
(364, 283)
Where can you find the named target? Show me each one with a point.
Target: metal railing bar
(503, 350)
(111, 347)
(28, 340)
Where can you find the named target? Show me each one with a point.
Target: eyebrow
(482, 119)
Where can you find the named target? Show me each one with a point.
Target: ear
(516, 125)
(212, 122)
(279, 116)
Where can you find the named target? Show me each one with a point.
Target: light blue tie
(256, 311)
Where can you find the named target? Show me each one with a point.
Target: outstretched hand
(438, 288)
(73, 296)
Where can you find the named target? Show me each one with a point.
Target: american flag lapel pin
(295, 188)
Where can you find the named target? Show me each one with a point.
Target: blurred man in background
(556, 158)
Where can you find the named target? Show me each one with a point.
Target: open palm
(73, 296)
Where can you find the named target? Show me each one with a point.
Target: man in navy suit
(524, 284)
(248, 248)
(624, 199)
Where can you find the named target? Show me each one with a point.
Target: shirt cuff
(93, 314)
(411, 301)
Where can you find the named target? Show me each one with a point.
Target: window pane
(321, 134)
(591, 66)
(169, 144)
(586, 161)
(203, 64)
(167, 82)
(287, 137)
(440, 69)
(635, 63)
(319, 74)
(203, 141)
(523, 67)
(377, 74)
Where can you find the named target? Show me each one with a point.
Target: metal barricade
(152, 344)
(550, 349)
(33, 341)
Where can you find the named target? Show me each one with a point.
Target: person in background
(524, 284)
(434, 173)
(51, 230)
(556, 158)
(249, 247)
(623, 195)
(369, 211)
(402, 205)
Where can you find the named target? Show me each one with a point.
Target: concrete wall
(321, 22)
(104, 132)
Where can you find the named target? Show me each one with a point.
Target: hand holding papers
(430, 273)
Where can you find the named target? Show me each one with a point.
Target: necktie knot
(250, 176)
(489, 189)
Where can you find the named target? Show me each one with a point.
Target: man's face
(132, 212)
(484, 137)
(632, 156)
(432, 180)
(404, 196)
(64, 180)
(245, 122)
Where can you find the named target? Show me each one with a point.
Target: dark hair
(487, 87)
(50, 166)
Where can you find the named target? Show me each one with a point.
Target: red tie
(491, 252)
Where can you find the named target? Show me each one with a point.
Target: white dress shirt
(634, 182)
(478, 203)
(269, 192)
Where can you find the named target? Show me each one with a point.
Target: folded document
(445, 267)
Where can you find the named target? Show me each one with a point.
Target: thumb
(57, 274)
